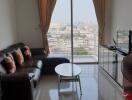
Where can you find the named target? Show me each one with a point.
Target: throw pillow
(9, 64)
(26, 52)
(10, 55)
(18, 56)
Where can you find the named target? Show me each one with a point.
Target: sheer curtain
(100, 13)
(46, 8)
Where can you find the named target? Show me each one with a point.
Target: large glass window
(85, 37)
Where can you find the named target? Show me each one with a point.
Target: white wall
(108, 14)
(8, 34)
(28, 22)
(121, 16)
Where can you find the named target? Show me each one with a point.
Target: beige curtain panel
(100, 14)
(46, 8)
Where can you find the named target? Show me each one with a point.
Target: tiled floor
(49, 90)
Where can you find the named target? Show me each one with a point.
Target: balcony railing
(78, 55)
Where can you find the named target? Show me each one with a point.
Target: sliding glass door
(85, 37)
(85, 32)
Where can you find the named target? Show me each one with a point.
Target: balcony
(79, 55)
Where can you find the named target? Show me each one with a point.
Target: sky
(83, 11)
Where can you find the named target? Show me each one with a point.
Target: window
(85, 36)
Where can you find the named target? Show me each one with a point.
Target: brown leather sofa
(22, 85)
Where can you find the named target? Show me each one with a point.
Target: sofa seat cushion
(32, 64)
(34, 71)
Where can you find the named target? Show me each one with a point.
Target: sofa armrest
(17, 86)
(37, 51)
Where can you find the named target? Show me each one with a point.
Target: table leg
(59, 85)
(80, 84)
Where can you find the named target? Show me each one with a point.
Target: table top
(65, 69)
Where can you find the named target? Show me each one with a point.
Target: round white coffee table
(68, 72)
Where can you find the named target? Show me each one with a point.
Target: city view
(85, 39)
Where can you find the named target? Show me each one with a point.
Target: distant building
(85, 36)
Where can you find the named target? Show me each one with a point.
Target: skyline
(85, 13)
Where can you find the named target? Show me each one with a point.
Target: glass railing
(85, 45)
(79, 56)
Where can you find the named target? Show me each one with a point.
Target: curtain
(100, 14)
(46, 8)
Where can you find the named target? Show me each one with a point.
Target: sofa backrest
(9, 49)
(16, 46)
